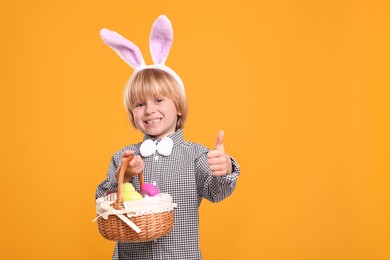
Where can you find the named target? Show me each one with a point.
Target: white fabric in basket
(149, 205)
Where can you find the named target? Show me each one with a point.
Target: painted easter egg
(127, 186)
(149, 189)
(131, 195)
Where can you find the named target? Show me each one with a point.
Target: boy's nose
(150, 108)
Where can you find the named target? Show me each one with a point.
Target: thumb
(219, 143)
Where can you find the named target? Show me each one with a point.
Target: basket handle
(118, 201)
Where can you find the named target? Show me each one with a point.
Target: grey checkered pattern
(185, 174)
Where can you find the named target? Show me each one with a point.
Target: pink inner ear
(127, 50)
(161, 38)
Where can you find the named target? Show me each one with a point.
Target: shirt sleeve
(215, 188)
(110, 183)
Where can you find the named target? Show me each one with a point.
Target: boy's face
(156, 117)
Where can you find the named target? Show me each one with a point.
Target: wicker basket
(152, 226)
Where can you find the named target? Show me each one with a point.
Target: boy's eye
(139, 104)
(158, 100)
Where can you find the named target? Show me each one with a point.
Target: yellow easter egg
(127, 186)
(131, 195)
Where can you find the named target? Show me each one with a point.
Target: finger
(135, 161)
(127, 153)
(214, 154)
(217, 167)
(217, 161)
(219, 173)
(218, 170)
(138, 169)
(219, 143)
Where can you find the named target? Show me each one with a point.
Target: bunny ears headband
(160, 43)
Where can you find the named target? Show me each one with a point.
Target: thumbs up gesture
(218, 160)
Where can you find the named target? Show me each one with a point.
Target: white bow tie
(164, 147)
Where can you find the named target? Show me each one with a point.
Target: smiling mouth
(153, 121)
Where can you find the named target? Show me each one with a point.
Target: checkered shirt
(186, 176)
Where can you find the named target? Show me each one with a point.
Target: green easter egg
(126, 196)
(132, 195)
(127, 186)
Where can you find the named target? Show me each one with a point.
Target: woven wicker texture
(152, 226)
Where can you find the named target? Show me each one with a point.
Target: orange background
(301, 89)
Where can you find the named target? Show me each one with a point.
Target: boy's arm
(215, 188)
(110, 183)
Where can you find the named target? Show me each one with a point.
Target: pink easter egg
(149, 189)
(143, 193)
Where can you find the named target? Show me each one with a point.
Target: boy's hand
(219, 161)
(135, 166)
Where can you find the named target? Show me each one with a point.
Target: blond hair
(152, 82)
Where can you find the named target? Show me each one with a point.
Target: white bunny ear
(161, 38)
(127, 50)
